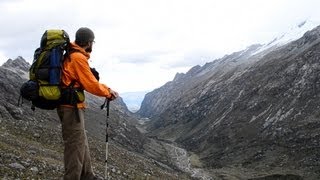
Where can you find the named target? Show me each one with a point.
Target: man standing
(76, 73)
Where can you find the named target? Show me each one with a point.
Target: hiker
(76, 71)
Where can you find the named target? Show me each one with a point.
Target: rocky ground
(33, 150)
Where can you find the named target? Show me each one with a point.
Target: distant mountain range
(133, 99)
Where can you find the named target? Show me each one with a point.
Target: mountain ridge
(247, 109)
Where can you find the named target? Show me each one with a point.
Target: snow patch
(295, 33)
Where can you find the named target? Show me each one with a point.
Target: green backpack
(43, 88)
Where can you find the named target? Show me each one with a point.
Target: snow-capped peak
(294, 33)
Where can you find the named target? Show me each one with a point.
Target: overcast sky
(142, 44)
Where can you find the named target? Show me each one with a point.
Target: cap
(84, 35)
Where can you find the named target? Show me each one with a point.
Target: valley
(252, 114)
(177, 157)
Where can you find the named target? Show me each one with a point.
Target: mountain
(255, 111)
(158, 100)
(31, 145)
(19, 66)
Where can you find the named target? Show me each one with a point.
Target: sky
(141, 44)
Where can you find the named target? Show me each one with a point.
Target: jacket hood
(76, 47)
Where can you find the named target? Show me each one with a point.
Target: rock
(31, 152)
(35, 170)
(36, 135)
(26, 163)
(113, 170)
(17, 166)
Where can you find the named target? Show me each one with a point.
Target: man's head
(85, 38)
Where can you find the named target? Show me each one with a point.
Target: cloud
(142, 44)
(124, 77)
(140, 58)
(3, 58)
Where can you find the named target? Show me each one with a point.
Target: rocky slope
(31, 145)
(252, 113)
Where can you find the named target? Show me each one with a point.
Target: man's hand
(114, 95)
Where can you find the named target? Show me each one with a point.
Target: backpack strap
(72, 98)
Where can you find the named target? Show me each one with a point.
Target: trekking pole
(107, 138)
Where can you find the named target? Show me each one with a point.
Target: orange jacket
(76, 67)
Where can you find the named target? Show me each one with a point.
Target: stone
(17, 166)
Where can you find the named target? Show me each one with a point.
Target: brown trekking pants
(77, 161)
